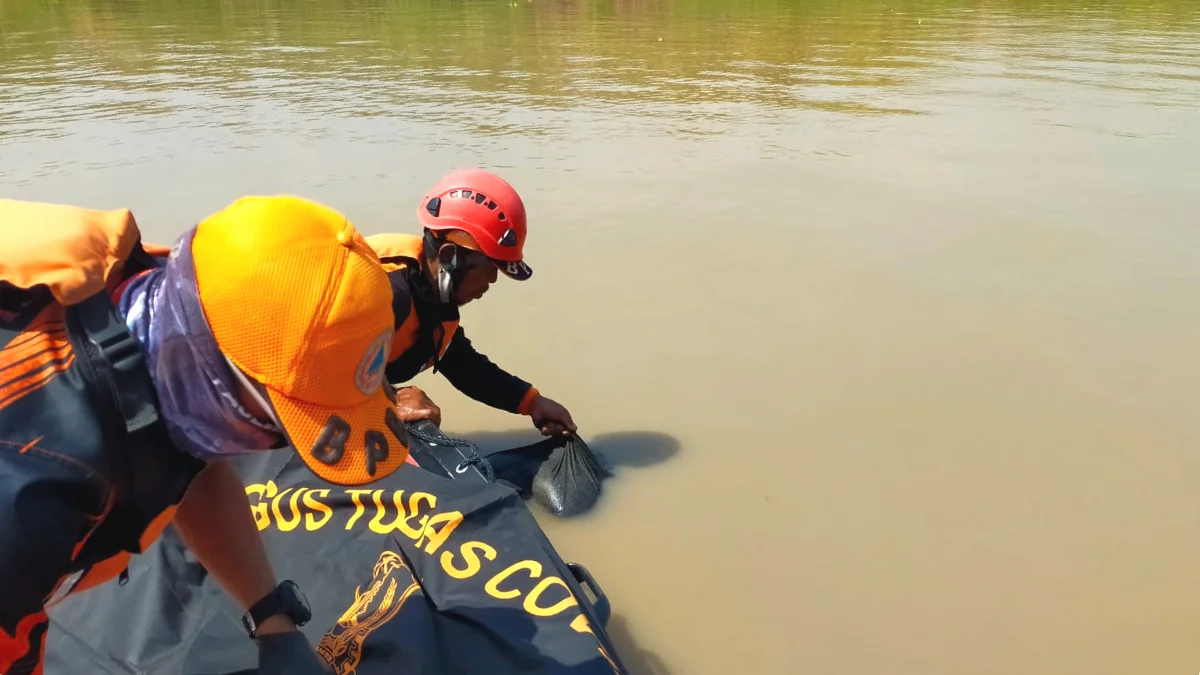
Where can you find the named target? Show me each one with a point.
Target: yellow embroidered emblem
(342, 646)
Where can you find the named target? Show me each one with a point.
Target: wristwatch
(285, 599)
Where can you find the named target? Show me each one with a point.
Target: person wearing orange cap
(128, 381)
(474, 228)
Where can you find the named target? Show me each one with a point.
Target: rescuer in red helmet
(474, 229)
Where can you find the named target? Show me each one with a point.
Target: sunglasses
(472, 259)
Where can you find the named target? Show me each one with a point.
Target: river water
(887, 312)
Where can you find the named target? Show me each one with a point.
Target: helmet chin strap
(446, 279)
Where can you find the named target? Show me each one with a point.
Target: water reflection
(227, 76)
(701, 65)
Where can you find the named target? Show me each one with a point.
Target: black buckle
(121, 349)
(123, 355)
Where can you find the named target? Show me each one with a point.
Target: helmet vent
(509, 238)
(478, 197)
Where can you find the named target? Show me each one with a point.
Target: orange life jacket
(75, 390)
(402, 254)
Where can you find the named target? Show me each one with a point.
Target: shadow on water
(635, 448)
(639, 661)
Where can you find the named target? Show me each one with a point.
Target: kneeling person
(473, 229)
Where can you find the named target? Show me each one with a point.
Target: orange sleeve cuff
(527, 400)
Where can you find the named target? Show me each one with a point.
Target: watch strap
(284, 599)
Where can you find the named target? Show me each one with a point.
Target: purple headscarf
(196, 385)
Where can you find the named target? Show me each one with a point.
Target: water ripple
(539, 71)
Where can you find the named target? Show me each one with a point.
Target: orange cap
(299, 302)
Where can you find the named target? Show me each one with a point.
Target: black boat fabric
(416, 575)
(561, 473)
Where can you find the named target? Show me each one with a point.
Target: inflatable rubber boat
(437, 569)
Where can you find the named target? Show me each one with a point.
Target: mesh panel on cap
(360, 312)
(264, 268)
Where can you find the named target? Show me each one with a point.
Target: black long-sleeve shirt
(421, 321)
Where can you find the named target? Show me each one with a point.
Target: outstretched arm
(215, 522)
(476, 376)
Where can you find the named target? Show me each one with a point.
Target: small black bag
(569, 482)
(561, 473)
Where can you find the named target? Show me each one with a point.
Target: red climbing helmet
(484, 206)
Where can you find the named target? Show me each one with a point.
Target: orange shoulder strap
(449, 328)
(72, 250)
(395, 244)
(156, 250)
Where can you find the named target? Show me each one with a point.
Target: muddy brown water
(886, 311)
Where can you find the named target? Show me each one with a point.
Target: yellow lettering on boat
(493, 585)
(520, 582)
(376, 525)
(469, 556)
(356, 495)
(264, 492)
(310, 523)
(580, 624)
(439, 537)
(414, 499)
(531, 601)
(286, 524)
